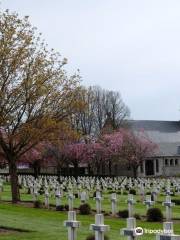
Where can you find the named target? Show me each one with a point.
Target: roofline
(163, 156)
(133, 120)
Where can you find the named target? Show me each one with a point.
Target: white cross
(70, 201)
(98, 199)
(58, 196)
(148, 201)
(113, 203)
(46, 198)
(130, 231)
(130, 202)
(83, 197)
(72, 225)
(99, 227)
(168, 204)
(168, 232)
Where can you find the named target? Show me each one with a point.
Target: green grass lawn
(48, 224)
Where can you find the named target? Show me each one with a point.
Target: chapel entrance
(149, 167)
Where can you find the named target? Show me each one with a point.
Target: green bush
(125, 193)
(137, 216)
(123, 213)
(85, 209)
(76, 195)
(66, 207)
(37, 204)
(132, 191)
(60, 208)
(154, 215)
(41, 191)
(176, 201)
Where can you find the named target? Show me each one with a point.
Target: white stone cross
(131, 231)
(79, 191)
(98, 199)
(72, 225)
(58, 197)
(168, 232)
(142, 192)
(130, 202)
(168, 204)
(35, 193)
(83, 196)
(148, 202)
(99, 227)
(168, 190)
(70, 201)
(154, 194)
(46, 198)
(113, 203)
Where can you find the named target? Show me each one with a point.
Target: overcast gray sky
(131, 46)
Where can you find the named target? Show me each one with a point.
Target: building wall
(166, 166)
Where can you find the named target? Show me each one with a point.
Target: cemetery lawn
(48, 224)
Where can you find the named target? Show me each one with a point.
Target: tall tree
(36, 96)
(98, 103)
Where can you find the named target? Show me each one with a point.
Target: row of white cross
(131, 232)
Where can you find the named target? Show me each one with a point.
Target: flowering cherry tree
(34, 158)
(75, 154)
(112, 144)
(136, 148)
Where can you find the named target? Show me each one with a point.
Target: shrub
(76, 195)
(37, 204)
(66, 207)
(127, 188)
(60, 208)
(154, 215)
(176, 201)
(125, 193)
(148, 193)
(111, 191)
(41, 191)
(132, 191)
(92, 237)
(85, 209)
(123, 213)
(118, 192)
(137, 216)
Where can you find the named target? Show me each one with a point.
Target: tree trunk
(58, 172)
(76, 169)
(110, 168)
(135, 171)
(98, 169)
(37, 168)
(89, 169)
(14, 181)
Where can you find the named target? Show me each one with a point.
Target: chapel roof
(165, 133)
